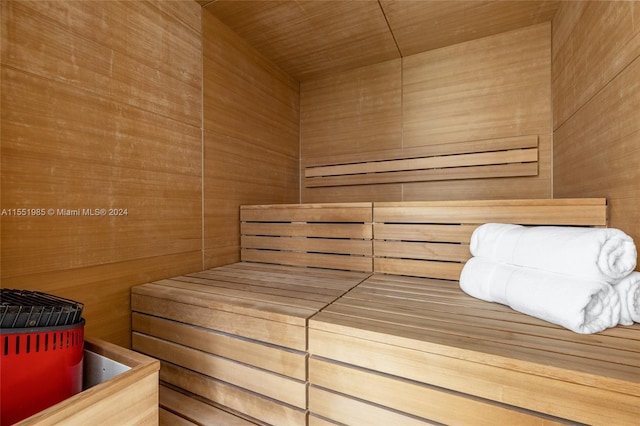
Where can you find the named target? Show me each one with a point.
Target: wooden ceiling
(308, 38)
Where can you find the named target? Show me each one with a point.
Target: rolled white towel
(580, 305)
(629, 292)
(606, 254)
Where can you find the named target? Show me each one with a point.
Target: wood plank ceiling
(315, 37)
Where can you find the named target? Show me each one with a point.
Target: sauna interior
(133, 131)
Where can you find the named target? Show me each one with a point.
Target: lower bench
(236, 335)
(404, 350)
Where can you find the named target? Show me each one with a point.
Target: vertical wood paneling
(251, 151)
(101, 109)
(491, 88)
(596, 86)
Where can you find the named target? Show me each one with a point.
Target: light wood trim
(348, 248)
(507, 157)
(352, 411)
(321, 213)
(313, 230)
(193, 409)
(129, 398)
(316, 245)
(271, 385)
(315, 260)
(461, 160)
(250, 404)
(430, 403)
(285, 362)
(277, 333)
(427, 175)
(585, 212)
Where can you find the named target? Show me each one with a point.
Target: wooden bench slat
(435, 162)
(427, 402)
(356, 412)
(535, 336)
(452, 173)
(418, 268)
(251, 404)
(422, 250)
(267, 295)
(478, 159)
(527, 212)
(318, 245)
(286, 362)
(432, 341)
(518, 142)
(298, 272)
(290, 335)
(314, 230)
(281, 388)
(319, 213)
(195, 411)
(432, 233)
(317, 260)
(181, 292)
(501, 378)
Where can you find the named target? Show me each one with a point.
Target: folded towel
(629, 292)
(584, 306)
(606, 254)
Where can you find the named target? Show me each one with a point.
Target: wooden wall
(483, 90)
(251, 127)
(102, 108)
(596, 106)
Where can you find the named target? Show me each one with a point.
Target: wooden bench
(236, 336)
(407, 346)
(352, 314)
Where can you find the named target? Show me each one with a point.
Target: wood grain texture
(339, 235)
(467, 94)
(356, 111)
(421, 26)
(430, 332)
(101, 109)
(236, 335)
(310, 38)
(128, 398)
(408, 336)
(478, 90)
(596, 71)
(192, 411)
(593, 42)
(250, 137)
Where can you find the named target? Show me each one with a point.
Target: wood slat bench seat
(403, 349)
(235, 336)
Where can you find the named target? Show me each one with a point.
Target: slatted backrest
(334, 236)
(507, 157)
(431, 239)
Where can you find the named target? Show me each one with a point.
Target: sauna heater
(41, 352)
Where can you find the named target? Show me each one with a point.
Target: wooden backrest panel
(508, 157)
(431, 239)
(335, 236)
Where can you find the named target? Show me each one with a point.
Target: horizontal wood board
(431, 239)
(267, 303)
(335, 236)
(179, 408)
(429, 331)
(478, 159)
(236, 336)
